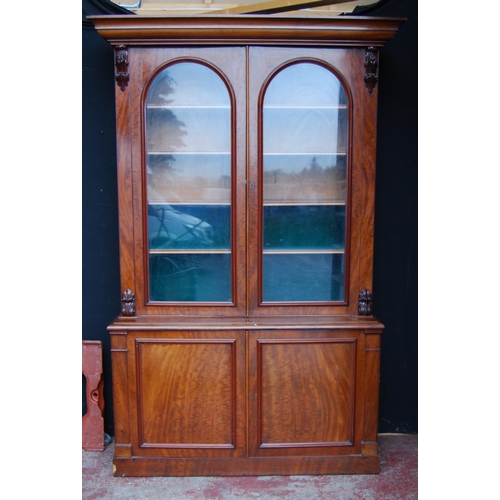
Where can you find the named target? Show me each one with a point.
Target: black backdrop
(395, 271)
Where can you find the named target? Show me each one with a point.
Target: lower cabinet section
(245, 401)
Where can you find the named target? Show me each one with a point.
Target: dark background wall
(395, 271)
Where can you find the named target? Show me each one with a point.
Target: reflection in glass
(188, 136)
(305, 131)
(189, 178)
(188, 155)
(304, 178)
(189, 226)
(305, 145)
(188, 130)
(188, 84)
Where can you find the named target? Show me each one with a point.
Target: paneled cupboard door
(191, 244)
(189, 388)
(304, 393)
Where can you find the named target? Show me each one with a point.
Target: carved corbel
(128, 303)
(371, 64)
(121, 63)
(365, 303)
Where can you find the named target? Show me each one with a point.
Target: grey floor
(397, 480)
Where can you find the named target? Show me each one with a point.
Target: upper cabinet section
(246, 162)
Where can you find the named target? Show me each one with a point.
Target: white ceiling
(188, 7)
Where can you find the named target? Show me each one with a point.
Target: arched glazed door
(191, 253)
(304, 174)
(300, 166)
(189, 184)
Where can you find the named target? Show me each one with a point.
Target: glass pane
(303, 277)
(189, 226)
(304, 178)
(305, 124)
(188, 129)
(190, 277)
(301, 227)
(188, 84)
(189, 178)
(298, 130)
(188, 137)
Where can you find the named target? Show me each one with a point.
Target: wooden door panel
(186, 392)
(190, 395)
(305, 386)
(305, 393)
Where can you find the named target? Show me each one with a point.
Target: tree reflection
(164, 130)
(313, 183)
